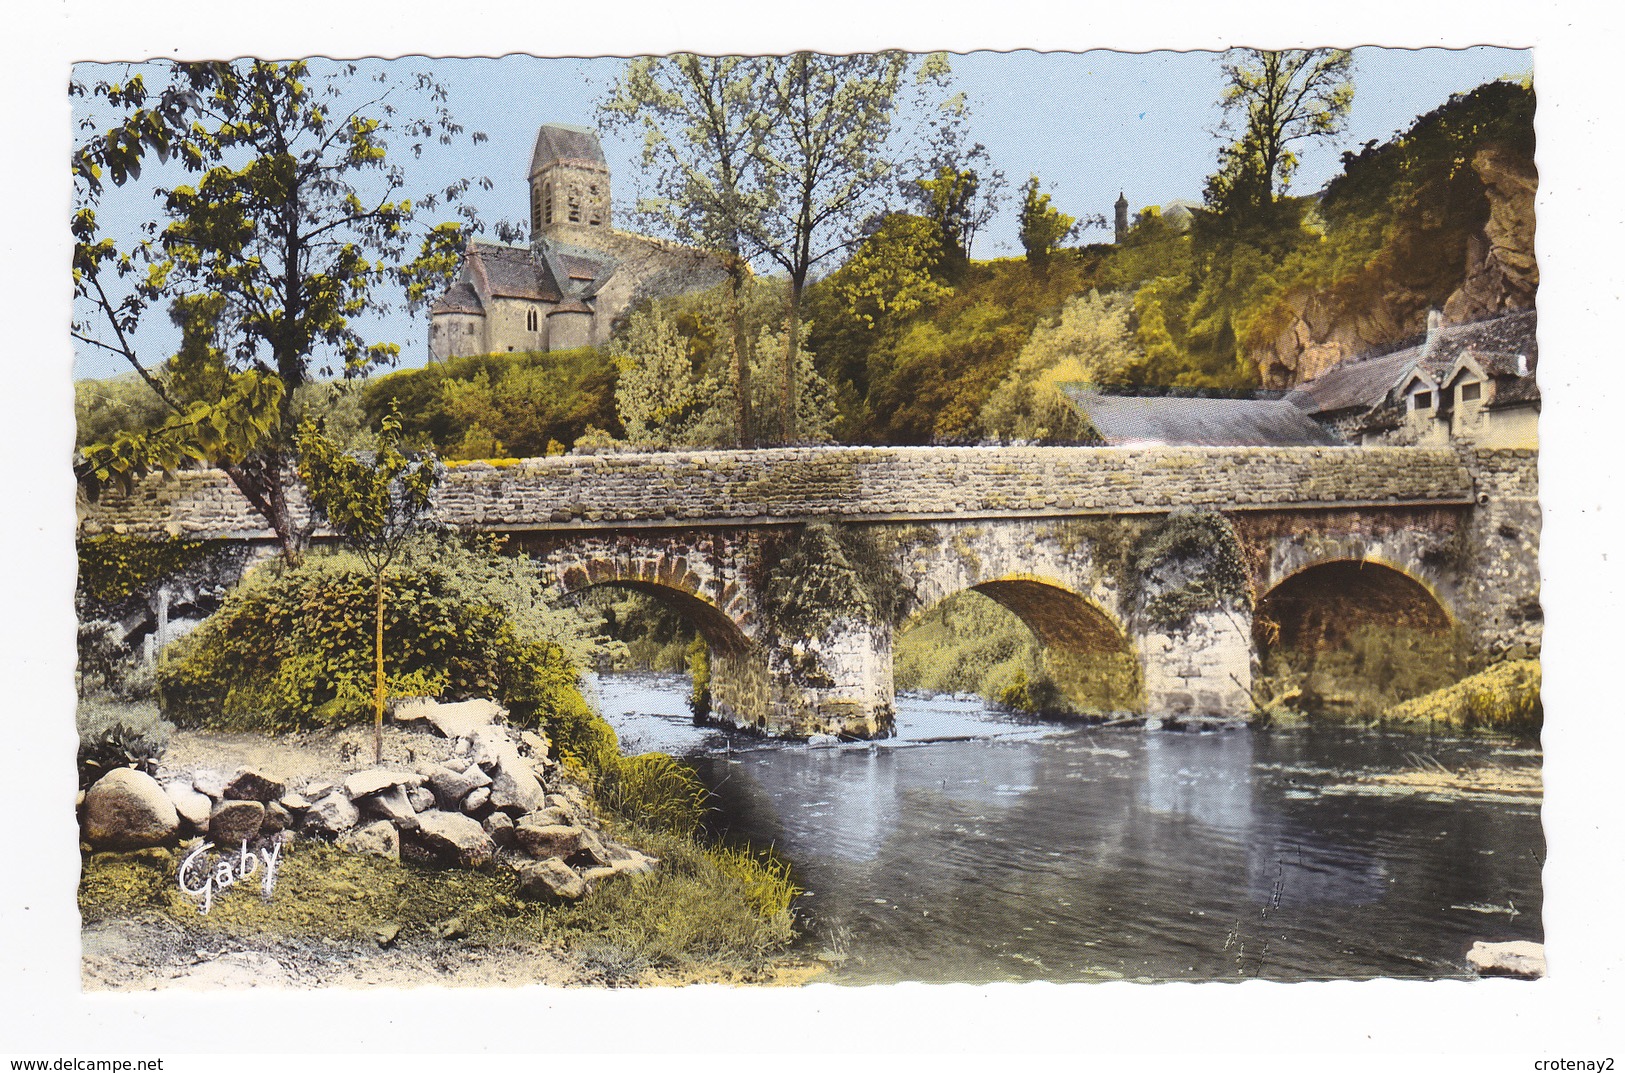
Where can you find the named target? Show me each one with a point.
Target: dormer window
(1422, 400)
(1470, 392)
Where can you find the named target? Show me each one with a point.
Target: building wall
(456, 335)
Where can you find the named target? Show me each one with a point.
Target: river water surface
(978, 846)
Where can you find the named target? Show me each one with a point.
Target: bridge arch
(1087, 653)
(1324, 602)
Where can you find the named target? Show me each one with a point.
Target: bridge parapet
(850, 483)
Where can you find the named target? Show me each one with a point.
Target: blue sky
(1088, 124)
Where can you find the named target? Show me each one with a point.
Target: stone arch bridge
(1304, 543)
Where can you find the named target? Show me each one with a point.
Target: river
(978, 846)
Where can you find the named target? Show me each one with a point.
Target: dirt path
(153, 953)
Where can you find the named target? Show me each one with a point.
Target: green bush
(113, 735)
(109, 667)
(292, 648)
(655, 791)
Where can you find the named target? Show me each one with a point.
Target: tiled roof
(462, 298)
(1202, 422)
(1360, 383)
(512, 272)
(562, 142)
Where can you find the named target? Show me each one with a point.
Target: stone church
(577, 276)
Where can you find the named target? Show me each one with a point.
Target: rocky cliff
(1498, 275)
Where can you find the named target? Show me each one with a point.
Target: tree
(1280, 98)
(1043, 227)
(826, 160)
(959, 188)
(701, 125)
(292, 227)
(657, 396)
(893, 273)
(376, 503)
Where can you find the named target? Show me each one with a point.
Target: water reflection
(1045, 852)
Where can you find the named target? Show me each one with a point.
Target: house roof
(1200, 422)
(461, 298)
(511, 272)
(561, 142)
(1363, 382)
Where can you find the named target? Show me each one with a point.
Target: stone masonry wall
(1500, 572)
(854, 483)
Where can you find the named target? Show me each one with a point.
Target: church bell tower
(569, 184)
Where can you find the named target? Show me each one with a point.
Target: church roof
(511, 272)
(461, 298)
(1198, 422)
(562, 142)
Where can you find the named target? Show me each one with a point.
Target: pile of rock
(497, 801)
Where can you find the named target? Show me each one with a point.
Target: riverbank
(362, 911)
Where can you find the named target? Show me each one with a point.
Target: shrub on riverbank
(1505, 696)
(292, 648)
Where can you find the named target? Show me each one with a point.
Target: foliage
(822, 573)
(703, 911)
(643, 633)
(107, 666)
(1042, 226)
(707, 905)
(701, 128)
(657, 397)
(291, 648)
(114, 735)
(655, 791)
(1505, 696)
(676, 373)
(376, 504)
(112, 567)
(925, 378)
(699, 675)
(1187, 564)
(498, 405)
(1090, 343)
(292, 227)
(1375, 667)
(1281, 97)
(967, 644)
(894, 272)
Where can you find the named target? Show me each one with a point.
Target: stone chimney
(1435, 319)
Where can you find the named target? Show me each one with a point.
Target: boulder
(536, 743)
(277, 819)
(549, 880)
(634, 863)
(420, 798)
(451, 785)
(551, 817)
(452, 838)
(235, 822)
(499, 828)
(514, 786)
(127, 809)
(295, 803)
(377, 780)
(319, 789)
(477, 800)
(251, 785)
(192, 806)
(1522, 959)
(591, 852)
(457, 720)
(332, 814)
(551, 840)
(391, 804)
(210, 782)
(380, 839)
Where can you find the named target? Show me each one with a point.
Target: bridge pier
(1203, 668)
(838, 683)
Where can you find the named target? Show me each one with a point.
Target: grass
(1505, 696)
(706, 909)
